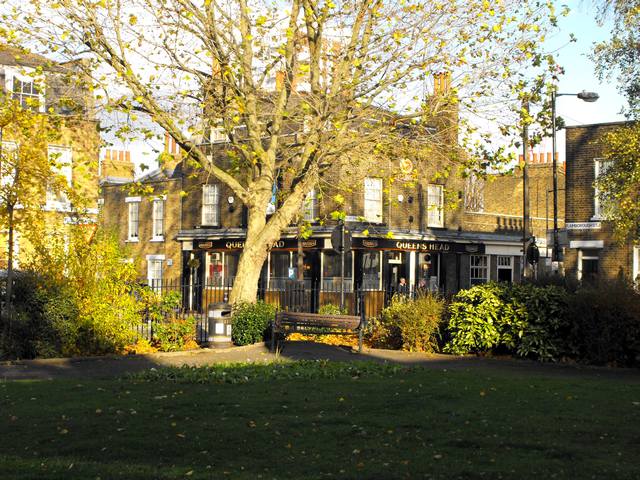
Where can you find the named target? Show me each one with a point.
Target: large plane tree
(293, 85)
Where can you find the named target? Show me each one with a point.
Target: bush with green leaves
(525, 320)
(85, 292)
(251, 321)
(605, 324)
(173, 334)
(44, 321)
(332, 309)
(408, 324)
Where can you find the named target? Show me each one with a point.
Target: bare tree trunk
(254, 254)
(261, 235)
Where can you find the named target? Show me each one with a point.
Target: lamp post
(585, 96)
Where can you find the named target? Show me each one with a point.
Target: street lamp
(589, 97)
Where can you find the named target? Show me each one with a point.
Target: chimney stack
(117, 165)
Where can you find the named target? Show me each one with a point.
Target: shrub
(250, 322)
(525, 320)
(605, 324)
(474, 319)
(44, 323)
(140, 347)
(174, 334)
(412, 325)
(332, 309)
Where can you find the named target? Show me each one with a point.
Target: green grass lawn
(318, 420)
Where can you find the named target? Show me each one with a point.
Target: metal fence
(285, 294)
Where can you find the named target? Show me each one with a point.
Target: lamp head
(588, 96)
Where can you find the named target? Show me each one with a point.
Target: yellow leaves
(133, 20)
(261, 20)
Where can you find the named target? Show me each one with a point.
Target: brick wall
(584, 144)
(503, 195)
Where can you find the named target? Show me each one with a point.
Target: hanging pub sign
(417, 245)
(238, 244)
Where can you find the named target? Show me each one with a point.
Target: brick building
(495, 204)
(191, 230)
(44, 86)
(590, 249)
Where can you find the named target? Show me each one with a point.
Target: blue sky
(580, 72)
(579, 69)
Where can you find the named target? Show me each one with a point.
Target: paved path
(109, 366)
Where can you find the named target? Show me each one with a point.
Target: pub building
(374, 266)
(400, 229)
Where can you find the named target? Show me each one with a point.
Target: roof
(13, 56)
(603, 124)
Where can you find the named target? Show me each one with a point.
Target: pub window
(211, 205)
(279, 271)
(600, 202)
(427, 278)
(505, 268)
(331, 279)
(230, 268)
(371, 271)
(310, 206)
(214, 269)
(479, 271)
(373, 199)
(435, 204)
(158, 219)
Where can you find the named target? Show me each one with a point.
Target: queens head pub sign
(238, 244)
(417, 245)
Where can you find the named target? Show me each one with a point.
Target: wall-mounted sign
(238, 244)
(583, 225)
(417, 245)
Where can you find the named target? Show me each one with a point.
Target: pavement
(114, 365)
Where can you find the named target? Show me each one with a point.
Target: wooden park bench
(316, 324)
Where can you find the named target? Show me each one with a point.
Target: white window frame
(373, 199)
(157, 219)
(477, 280)
(501, 259)
(598, 164)
(211, 205)
(64, 167)
(133, 233)
(435, 206)
(23, 97)
(636, 265)
(155, 264)
(310, 206)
